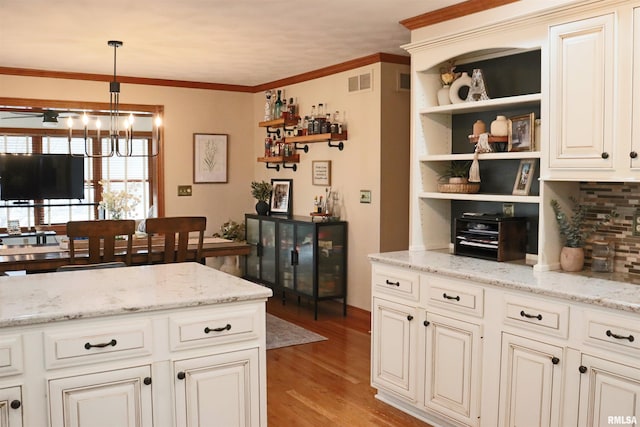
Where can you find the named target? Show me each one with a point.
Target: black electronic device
(41, 176)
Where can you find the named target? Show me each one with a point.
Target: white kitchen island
(162, 345)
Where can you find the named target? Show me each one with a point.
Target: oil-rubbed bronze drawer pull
(620, 337)
(220, 329)
(445, 296)
(531, 316)
(101, 345)
(389, 282)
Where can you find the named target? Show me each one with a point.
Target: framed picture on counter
(522, 185)
(281, 197)
(209, 158)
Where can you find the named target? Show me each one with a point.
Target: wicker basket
(472, 187)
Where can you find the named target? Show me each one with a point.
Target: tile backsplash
(603, 197)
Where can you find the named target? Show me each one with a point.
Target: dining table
(48, 257)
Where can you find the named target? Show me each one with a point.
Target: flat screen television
(41, 176)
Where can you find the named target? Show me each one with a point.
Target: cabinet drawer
(215, 327)
(538, 315)
(455, 295)
(613, 332)
(78, 346)
(10, 355)
(395, 281)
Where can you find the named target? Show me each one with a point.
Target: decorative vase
(231, 266)
(572, 259)
(454, 91)
(479, 127)
(443, 95)
(500, 126)
(477, 90)
(262, 207)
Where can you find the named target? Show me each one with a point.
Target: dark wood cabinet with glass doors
(310, 257)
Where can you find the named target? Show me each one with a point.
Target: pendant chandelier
(120, 140)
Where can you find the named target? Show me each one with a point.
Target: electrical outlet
(365, 196)
(636, 223)
(184, 190)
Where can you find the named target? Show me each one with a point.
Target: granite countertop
(590, 290)
(50, 297)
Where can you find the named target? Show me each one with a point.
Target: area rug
(281, 333)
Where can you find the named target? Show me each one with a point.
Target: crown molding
(456, 11)
(322, 72)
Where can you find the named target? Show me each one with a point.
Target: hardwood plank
(326, 383)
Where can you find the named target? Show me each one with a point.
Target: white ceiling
(244, 42)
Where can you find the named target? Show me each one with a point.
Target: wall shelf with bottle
(321, 137)
(287, 162)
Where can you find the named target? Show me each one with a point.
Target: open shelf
(489, 105)
(279, 122)
(280, 159)
(320, 137)
(480, 197)
(514, 155)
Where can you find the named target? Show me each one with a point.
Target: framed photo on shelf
(281, 197)
(321, 172)
(522, 185)
(209, 158)
(521, 130)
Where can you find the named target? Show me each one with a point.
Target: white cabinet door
(11, 407)
(609, 393)
(530, 382)
(581, 94)
(115, 398)
(635, 108)
(394, 348)
(453, 368)
(218, 390)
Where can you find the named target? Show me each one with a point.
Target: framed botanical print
(209, 158)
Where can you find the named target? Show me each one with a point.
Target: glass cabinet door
(331, 260)
(268, 239)
(305, 241)
(286, 255)
(252, 263)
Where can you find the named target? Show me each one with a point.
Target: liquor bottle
(312, 117)
(267, 106)
(277, 113)
(293, 107)
(338, 121)
(267, 146)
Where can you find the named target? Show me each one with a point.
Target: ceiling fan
(49, 117)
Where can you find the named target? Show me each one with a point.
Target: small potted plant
(575, 230)
(455, 178)
(231, 230)
(261, 191)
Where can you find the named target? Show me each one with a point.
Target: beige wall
(357, 167)
(186, 111)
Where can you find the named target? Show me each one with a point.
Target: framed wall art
(521, 130)
(209, 158)
(522, 185)
(321, 172)
(281, 197)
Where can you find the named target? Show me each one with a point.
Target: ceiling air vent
(361, 82)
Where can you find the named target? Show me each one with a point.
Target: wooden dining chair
(101, 236)
(176, 249)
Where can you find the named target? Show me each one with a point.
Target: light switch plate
(184, 190)
(365, 196)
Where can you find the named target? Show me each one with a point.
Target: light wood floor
(326, 383)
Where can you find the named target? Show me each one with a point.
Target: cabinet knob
(147, 381)
(181, 375)
(633, 154)
(426, 323)
(409, 318)
(555, 360)
(582, 369)
(15, 404)
(605, 155)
